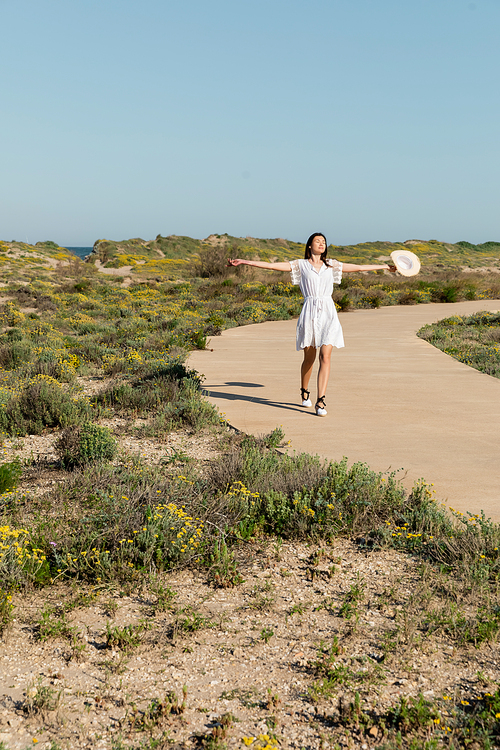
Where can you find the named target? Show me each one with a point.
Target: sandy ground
(249, 651)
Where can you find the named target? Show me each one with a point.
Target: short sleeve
(295, 271)
(336, 267)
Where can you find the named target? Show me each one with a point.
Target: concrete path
(394, 401)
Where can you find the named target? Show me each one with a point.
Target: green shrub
(82, 286)
(171, 392)
(408, 297)
(448, 293)
(41, 404)
(47, 366)
(140, 395)
(90, 350)
(10, 474)
(413, 713)
(199, 340)
(344, 302)
(470, 292)
(85, 444)
(15, 353)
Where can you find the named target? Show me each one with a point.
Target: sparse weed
(119, 666)
(158, 711)
(223, 568)
(273, 699)
(352, 599)
(188, 620)
(125, 638)
(248, 697)
(53, 624)
(263, 597)
(266, 634)
(164, 596)
(6, 611)
(41, 699)
(351, 712)
(299, 608)
(336, 674)
(214, 740)
(110, 607)
(414, 713)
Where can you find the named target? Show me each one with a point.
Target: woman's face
(318, 245)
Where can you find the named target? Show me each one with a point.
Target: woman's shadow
(214, 392)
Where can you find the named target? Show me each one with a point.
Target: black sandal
(320, 407)
(306, 401)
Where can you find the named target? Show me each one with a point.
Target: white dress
(318, 323)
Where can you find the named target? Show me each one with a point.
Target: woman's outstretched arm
(283, 266)
(352, 267)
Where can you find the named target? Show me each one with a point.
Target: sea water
(82, 252)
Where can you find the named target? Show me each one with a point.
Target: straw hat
(406, 262)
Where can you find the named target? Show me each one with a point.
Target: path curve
(394, 401)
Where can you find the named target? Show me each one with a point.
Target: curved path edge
(394, 401)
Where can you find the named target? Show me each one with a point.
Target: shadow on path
(246, 385)
(211, 393)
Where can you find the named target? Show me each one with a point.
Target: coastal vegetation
(473, 340)
(153, 543)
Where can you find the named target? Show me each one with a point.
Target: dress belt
(317, 303)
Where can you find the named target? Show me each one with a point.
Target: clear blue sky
(364, 119)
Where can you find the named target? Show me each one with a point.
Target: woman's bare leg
(307, 366)
(325, 354)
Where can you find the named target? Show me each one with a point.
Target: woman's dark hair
(308, 253)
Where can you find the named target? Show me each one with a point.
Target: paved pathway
(394, 401)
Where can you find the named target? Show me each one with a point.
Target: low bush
(213, 262)
(343, 301)
(447, 293)
(408, 297)
(172, 393)
(42, 403)
(85, 444)
(15, 354)
(10, 473)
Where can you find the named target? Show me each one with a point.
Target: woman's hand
(392, 268)
(235, 262)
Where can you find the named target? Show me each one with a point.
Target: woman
(318, 326)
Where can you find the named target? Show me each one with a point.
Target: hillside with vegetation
(168, 256)
(166, 253)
